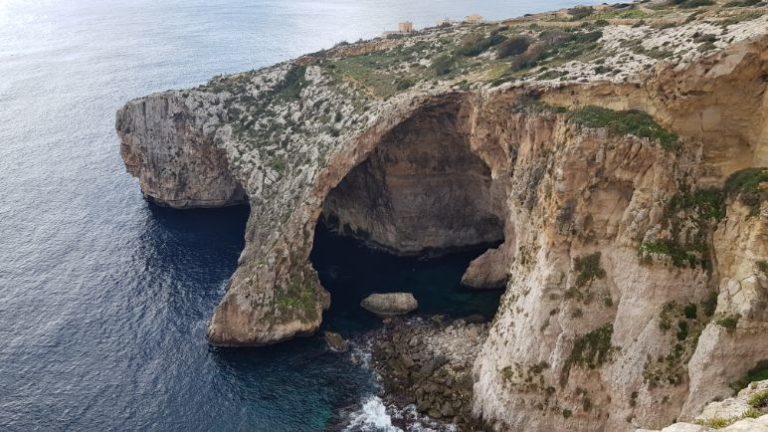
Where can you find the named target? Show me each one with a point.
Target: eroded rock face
(169, 147)
(421, 189)
(743, 412)
(625, 274)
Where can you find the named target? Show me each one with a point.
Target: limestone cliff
(617, 153)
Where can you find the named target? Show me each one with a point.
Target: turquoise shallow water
(104, 298)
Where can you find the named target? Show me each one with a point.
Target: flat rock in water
(335, 342)
(390, 304)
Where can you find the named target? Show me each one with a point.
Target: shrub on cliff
(757, 373)
(580, 12)
(513, 46)
(591, 350)
(442, 65)
(631, 122)
(588, 269)
(477, 44)
(747, 186)
(690, 4)
(292, 84)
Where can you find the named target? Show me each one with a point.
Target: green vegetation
(620, 14)
(292, 84)
(442, 65)
(632, 122)
(690, 4)
(681, 256)
(477, 44)
(717, 422)
(591, 350)
(747, 186)
(748, 16)
(581, 12)
(513, 46)
(690, 311)
(588, 268)
(729, 322)
(557, 46)
(382, 74)
(757, 373)
(720, 422)
(759, 400)
(762, 267)
(297, 298)
(708, 204)
(687, 324)
(701, 209)
(743, 3)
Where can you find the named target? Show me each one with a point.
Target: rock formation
(390, 304)
(747, 411)
(619, 161)
(429, 363)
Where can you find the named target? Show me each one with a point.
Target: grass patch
(708, 204)
(588, 268)
(762, 267)
(759, 400)
(477, 44)
(513, 46)
(591, 350)
(747, 186)
(632, 122)
(757, 373)
(557, 46)
(729, 322)
(291, 85)
(742, 3)
(691, 4)
(442, 65)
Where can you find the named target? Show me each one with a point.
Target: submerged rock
(390, 304)
(336, 342)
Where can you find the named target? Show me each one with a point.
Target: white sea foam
(373, 417)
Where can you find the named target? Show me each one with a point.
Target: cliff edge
(617, 153)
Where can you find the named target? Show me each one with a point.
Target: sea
(104, 297)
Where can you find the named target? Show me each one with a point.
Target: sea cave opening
(410, 218)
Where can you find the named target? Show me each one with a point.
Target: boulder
(390, 304)
(335, 342)
(488, 271)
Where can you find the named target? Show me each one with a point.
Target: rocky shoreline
(618, 154)
(427, 363)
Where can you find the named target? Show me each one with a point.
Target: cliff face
(634, 242)
(421, 188)
(169, 147)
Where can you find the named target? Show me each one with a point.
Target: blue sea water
(103, 297)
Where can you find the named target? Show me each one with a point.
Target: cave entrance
(410, 218)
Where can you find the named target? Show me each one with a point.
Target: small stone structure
(405, 27)
(474, 19)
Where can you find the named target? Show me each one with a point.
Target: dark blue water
(103, 298)
(351, 271)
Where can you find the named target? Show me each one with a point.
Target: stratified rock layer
(628, 194)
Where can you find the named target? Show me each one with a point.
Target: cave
(421, 203)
